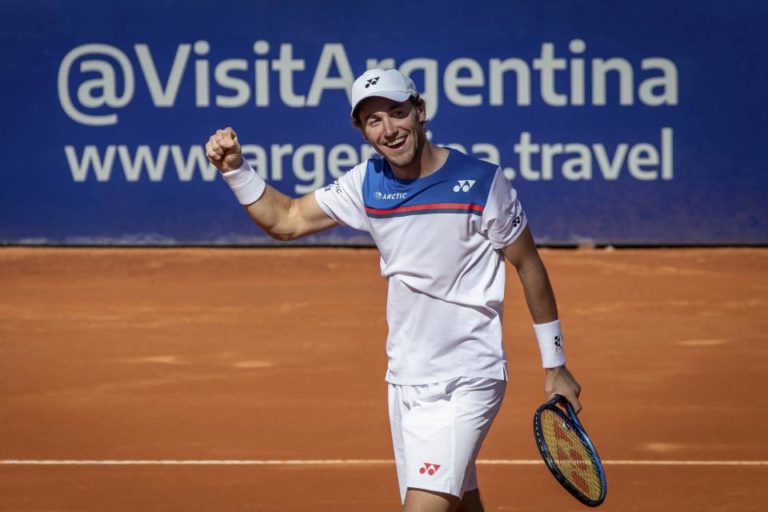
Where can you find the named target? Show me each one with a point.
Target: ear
(421, 109)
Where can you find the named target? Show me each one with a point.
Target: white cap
(389, 83)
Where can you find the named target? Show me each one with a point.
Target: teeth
(396, 142)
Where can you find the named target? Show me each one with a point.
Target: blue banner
(618, 122)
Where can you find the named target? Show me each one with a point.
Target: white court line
(355, 462)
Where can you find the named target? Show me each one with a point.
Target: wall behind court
(619, 123)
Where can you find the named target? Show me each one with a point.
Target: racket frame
(572, 421)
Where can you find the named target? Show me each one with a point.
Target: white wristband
(550, 340)
(245, 183)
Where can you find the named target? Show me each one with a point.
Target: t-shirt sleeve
(503, 217)
(342, 200)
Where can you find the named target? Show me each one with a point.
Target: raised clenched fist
(223, 150)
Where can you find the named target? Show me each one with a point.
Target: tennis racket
(568, 452)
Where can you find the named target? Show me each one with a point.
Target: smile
(395, 143)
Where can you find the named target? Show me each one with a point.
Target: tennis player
(443, 223)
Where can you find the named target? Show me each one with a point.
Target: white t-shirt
(440, 239)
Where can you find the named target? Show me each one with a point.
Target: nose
(388, 127)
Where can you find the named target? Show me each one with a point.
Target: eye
(372, 121)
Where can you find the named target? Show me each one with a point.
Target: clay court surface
(225, 380)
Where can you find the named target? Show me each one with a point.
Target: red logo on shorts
(429, 468)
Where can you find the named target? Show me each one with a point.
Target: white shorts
(437, 430)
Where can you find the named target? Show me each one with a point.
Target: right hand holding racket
(223, 150)
(568, 451)
(560, 381)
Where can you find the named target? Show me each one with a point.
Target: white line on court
(354, 462)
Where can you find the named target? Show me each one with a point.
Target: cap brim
(398, 96)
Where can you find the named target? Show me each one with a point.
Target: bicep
(286, 218)
(309, 217)
(522, 250)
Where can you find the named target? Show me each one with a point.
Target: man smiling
(443, 223)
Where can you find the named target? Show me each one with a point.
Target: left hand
(559, 381)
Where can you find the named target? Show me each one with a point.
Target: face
(394, 129)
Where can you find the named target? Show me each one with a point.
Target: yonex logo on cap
(463, 185)
(429, 468)
(386, 83)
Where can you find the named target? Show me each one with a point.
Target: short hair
(416, 101)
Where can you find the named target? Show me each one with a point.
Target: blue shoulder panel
(462, 185)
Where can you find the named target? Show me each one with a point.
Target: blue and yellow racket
(568, 452)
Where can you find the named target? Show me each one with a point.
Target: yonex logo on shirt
(334, 186)
(463, 185)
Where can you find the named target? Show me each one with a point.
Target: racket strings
(572, 457)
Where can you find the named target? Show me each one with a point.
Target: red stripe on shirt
(421, 207)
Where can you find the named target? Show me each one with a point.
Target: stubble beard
(407, 159)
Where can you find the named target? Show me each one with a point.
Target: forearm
(539, 295)
(281, 216)
(266, 206)
(543, 307)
